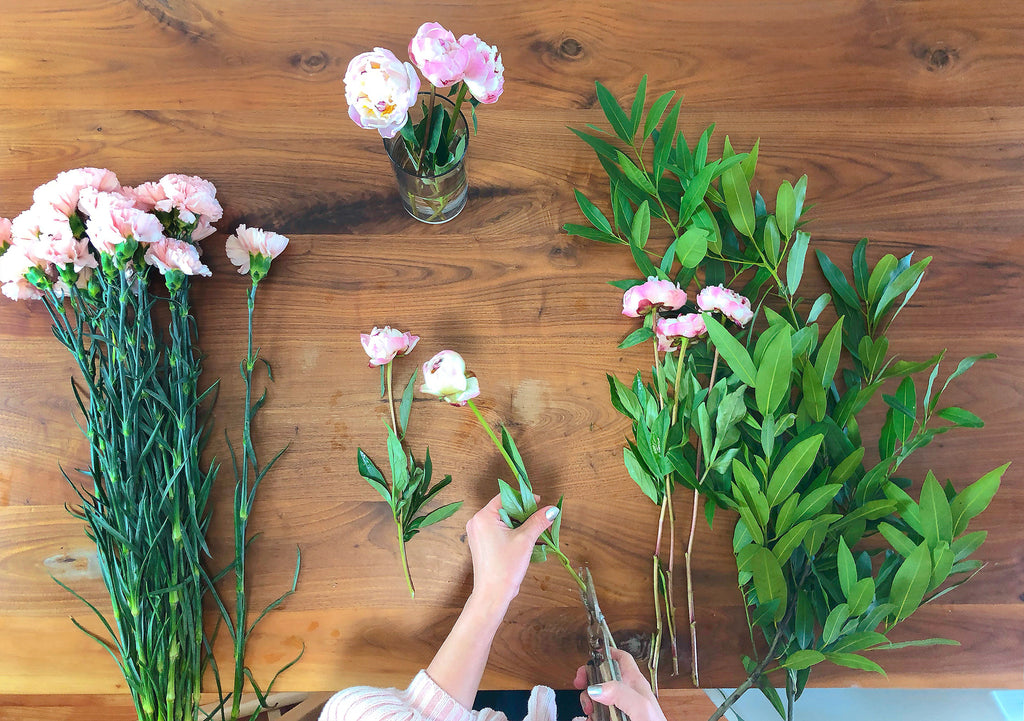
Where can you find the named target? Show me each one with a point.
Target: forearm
(459, 664)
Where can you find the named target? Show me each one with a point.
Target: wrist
(487, 607)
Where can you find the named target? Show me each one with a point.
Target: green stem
(455, 114)
(404, 558)
(391, 400)
(426, 132)
(494, 438)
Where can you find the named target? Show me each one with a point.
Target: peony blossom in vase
(426, 133)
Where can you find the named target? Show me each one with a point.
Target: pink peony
(437, 54)
(485, 73)
(445, 376)
(668, 330)
(114, 219)
(380, 89)
(62, 192)
(640, 299)
(733, 305)
(170, 255)
(383, 344)
(248, 246)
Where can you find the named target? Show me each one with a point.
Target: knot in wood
(310, 62)
(570, 49)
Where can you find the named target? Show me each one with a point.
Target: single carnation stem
(391, 400)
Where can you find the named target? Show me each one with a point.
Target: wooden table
(908, 118)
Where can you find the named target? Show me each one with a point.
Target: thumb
(539, 522)
(622, 697)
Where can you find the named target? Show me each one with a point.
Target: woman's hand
(632, 695)
(501, 555)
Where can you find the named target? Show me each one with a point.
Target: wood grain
(907, 116)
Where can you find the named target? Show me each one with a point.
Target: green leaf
(602, 147)
(773, 374)
(974, 499)
(641, 477)
(656, 111)
(789, 542)
(399, 464)
(804, 619)
(787, 515)
(919, 642)
(900, 543)
(510, 502)
(751, 524)
(623, 398)
(751, 492)
(961, 417)
(837, 280)
(593, 213)
(903, 283)
(738, 202)
(827, 360)
(910, 582)
(880, 277)
(666, 137)
(814, 502)
(792, 468)
(861, 596)
(819, 305)
(860, 268)
(636, 337)
(367, 468)
(852, 660)
(641, 227)
(749, 163)
(405, 406)
(842, 472)
(732, 351)
(961, 368)
(692, 246)
(936, 518)
(803, 659)
(639, 101)
(847, 568)
(859, 640)
(906, 395)
(437, 515)
(785, 215)
(834, 623)
(967, 544)
(585, 231)
(696, 189)
(615, 114)
(636, 176)
(795, 262)
(769, 582)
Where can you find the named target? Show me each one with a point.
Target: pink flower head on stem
(5, 234)
(252, 249)
(445, 376)
(114, 219)
(730, 303)
(62, 192)
(380, 89)
(383, 344)
(194, 198)
(485, 73)
(670, 330)
(641, 299)
(437, 54)
(15, 265)
(170, 255)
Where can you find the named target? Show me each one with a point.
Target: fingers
(580, 681)
(637, 706)
(586, 704)
(539, 522)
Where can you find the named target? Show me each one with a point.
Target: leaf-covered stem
(494, 438)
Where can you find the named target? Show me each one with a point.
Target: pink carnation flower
(194, 198)
(383, 344)
(5, 231)
(170, 255)
(145, 196)
(445, 376)
(380, 89)
(249, 244)
(113, 219)
(485, 73)
(641, 299)
(668, 330)
(731, 304)
(62, 192)
(14, 264)
(437, 54)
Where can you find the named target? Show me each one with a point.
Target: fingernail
(593, 691)
(551, 513)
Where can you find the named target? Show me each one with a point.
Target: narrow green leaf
(639, 101)
(641, 227)
(738, 202)
(405, 406)
(847, 568)
(859, 640)
(399, 464)
(696, 189)
(785, 215)
(936, 518)
(636, 337)
(816, 501)
(769, 582)
(732, 351)
(834, 623)
(861, 596)
(826, 362)
(918, 643)
(636, 176)
(585, 231)
(602, 147)
(438, 514)
(974, 499)
(792, 468)
(789, 542)
(692, 247)
(860, 268)
(903, 283)
(897, 539)
(961, 417)
(837, 280)
(773, 374)
(880, 277)
(615, 114)
(967, 544)
(852, 660)
(796, 260)
(842, 472)
(656, 111)
(593, 213)
(641, 477)
(803, 659)
(910, 582)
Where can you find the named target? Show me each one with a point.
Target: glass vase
(428, 196)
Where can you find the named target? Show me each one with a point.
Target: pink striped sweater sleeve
(424, 700)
